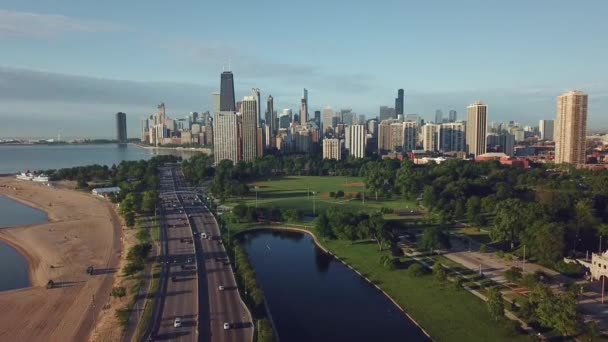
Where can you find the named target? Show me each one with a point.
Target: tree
(118, 292)
(509, 222)
(496, 306)
(323, 227)
(378, 229)
(239, 211)
(474, 211)
(129, 219)
(407, 180)
(439, 272)
(148, 202)
(547, 243)
(434, 238)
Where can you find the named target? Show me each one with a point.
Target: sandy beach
(83, 230)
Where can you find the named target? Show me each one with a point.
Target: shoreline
(80, 232)
(181, 149)
(327, 251)
(29, 259)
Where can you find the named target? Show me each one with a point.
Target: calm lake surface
(313, 297)
(14, 159)
(14, 273)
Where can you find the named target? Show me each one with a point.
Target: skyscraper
(249, 128)
(226, 137)
(387, 113)
(328, 118)
(215, 97)
(227, 100)
(438, 116)
(271, 117)
(453, 137)
(121, 127)
(571, 128)
(356, 144)
(546, 129)
(304, 108)
(431, 137)
(255, 92)
(318, 118)
(399, 102)
(477, 117)
(453, 116)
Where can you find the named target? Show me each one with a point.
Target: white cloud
(27, 24)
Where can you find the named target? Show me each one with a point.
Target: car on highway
(203, 235)
(226, 325)
(221, 287)
(177, 322)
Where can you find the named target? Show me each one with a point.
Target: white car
(221, 287)
(177, 322)
(226, 325)
(203, 235)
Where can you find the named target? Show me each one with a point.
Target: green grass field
(293, 193)
(447, 313)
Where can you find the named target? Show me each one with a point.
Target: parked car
(226, 325)
(177, 322)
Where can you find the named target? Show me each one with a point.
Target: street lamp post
(314, 203)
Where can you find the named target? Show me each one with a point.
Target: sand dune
(83, 231)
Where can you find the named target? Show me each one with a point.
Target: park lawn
(292, 193)
(447, 313)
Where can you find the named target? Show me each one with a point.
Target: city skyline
(85, 76)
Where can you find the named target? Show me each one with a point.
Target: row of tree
(244, 213)
(338, 223)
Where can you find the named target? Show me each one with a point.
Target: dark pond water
(14, 273)
(313, 297)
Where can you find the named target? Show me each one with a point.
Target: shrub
(483, 248)
(513, 274)
(570, 269)
(122, 315)
(439, 272)
(415, 270)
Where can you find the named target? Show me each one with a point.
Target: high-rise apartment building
(347, 116)
(357, 139)
(546, 129)
(249, 128)
(226, 137)
(332, 148)
(227, 99)
(571, 128)
(453, 137)
(399, 102)
(477, 117)
(431, 137)
(271, 116)
(121, 127)
(145, 130)
(452, 116)
(318, 118)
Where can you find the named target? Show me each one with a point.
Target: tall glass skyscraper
(399, 101)
(227, 92)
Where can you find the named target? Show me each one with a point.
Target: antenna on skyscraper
(229, 67)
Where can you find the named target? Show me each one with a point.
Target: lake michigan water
(20, 158)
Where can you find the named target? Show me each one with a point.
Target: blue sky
(67, 66)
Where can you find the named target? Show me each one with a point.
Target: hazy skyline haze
(67, 66)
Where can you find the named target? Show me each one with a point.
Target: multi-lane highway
(198, 284)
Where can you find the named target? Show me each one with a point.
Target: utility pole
(600, 252)
(603, 279)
